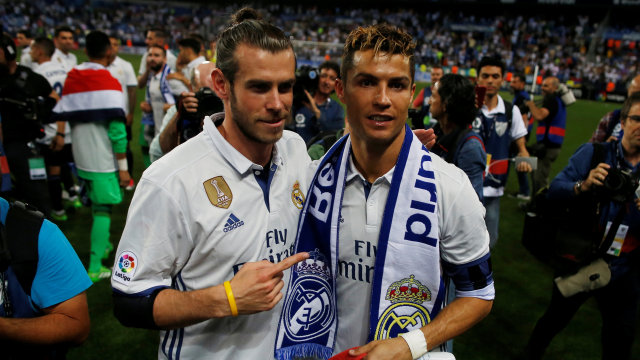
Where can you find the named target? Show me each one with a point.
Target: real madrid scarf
(407, 263)
(90, 94)
(165, 90)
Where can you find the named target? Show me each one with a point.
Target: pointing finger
(289, 262)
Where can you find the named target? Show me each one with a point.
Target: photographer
(305, 111)
(614, 183)
(26, 98)
(179, 126)
(552, 120)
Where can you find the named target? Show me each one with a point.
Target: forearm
(131, 92)
(61, 125)
(522, 147)
(537, 113)
(455, 319)
(175, 309)
(68, 326)
(169, 136)
(142, 79)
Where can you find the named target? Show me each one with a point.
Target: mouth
(380, 119)
(274, 123)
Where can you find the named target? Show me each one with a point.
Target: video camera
(619, 185)
(307, 78)
(190, 124)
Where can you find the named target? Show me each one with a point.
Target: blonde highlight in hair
(382, 39)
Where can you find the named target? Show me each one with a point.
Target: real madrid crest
(297, 196)
(218, 192)
(406, 312)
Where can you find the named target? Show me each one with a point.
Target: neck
(256, 152)
(446, 126)
(42, 61)
(631, 153)
(373, 160)
(12, 66)
(320, 98)
(104, 61)
(491, 101)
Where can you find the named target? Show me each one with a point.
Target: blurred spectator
(63, 39)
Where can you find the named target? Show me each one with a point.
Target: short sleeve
(155, 244)
(60, 274)
(131, 80)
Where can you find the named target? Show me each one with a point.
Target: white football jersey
(55, 75)
(197, 215)
(123, 71)
(67, 61)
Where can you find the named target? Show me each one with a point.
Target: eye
(285, 88)
(366, 82)
(260, 87)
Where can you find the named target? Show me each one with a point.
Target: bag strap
(608, 240)
(23, 225)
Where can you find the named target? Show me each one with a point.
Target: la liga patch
(125, 267)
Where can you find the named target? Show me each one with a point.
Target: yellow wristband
(232, 300)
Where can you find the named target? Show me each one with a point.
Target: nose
(382, 97)
(274, 100)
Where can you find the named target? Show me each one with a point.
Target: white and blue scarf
(407, 279)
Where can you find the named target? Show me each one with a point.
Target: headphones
(9, 47)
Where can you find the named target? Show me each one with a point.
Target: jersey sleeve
(464, 240)
(131, 80)
(156, 242)
(118, 136)
(518, 129)
(60, 274)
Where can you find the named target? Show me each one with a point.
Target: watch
(578, 186)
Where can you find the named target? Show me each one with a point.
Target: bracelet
(232, 300)
(416, 341)
(122, 165)
(60, 134)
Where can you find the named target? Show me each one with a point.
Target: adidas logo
(232, 223)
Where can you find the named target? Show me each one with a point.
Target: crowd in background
(571, 47)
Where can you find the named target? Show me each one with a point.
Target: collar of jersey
(497, 110)
(238, 161)
(90, 66)
(354, 173)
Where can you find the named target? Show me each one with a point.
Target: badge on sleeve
(218, 192)
(125, 268)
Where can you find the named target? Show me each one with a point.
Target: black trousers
(34, 192)
(618, 305)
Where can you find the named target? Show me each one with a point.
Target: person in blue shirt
(452, 103)
(39, 324)
(618, 300)
(331, 112)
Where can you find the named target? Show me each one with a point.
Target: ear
(221, 85)
(413, 91)
(340, 90)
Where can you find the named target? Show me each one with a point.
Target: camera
(307, 78)
(190, 124)
(619, 185)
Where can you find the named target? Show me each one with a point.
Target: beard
(248, 127)
(156, 68)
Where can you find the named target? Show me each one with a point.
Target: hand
(396, 348)
(312, 105)
(612, 139)
(189, 102)
(426, 137)
(145, 107)
(638, 203)
(124, 178)
(57, 143)
(129, 120)
(256, 287)
(523, 166)
(596, 177)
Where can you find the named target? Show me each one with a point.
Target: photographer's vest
(553, 131)
(496, 134)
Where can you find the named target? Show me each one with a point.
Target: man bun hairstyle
(381, 38)
(247, 27)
